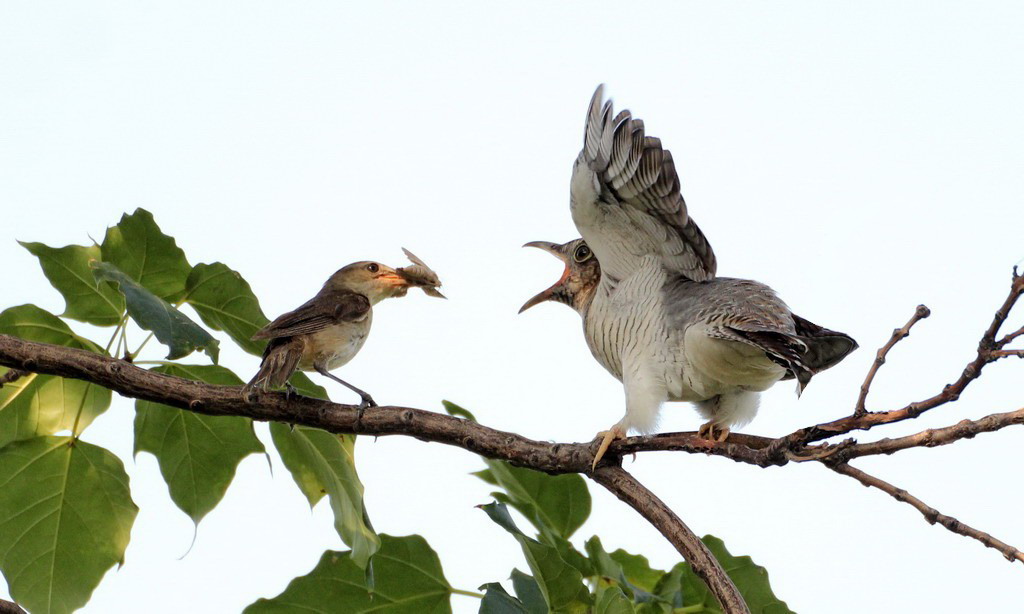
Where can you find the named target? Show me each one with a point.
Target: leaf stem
(116, 331)
(81, 406)
(457, 591)
(697, 607)
(141, 345)
(124, 337)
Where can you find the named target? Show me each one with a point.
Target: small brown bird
(329, 330)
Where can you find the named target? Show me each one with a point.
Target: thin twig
(629, 489)
(950, 393)
(929, 438)
(1010, 337)
(11, 376)
(997, 354)
(920, 313)
(930, 514)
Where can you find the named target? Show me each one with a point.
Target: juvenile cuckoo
(654, 313)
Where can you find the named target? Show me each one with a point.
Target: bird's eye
(372, 267)
(582, 253)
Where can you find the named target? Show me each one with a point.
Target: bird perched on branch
(654, 313)
(329, 330)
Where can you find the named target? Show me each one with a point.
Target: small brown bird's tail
(280, 360)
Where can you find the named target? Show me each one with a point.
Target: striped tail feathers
(783, 349)
(825, 348)
(811, 350)
(280, 360)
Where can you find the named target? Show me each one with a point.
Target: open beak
(546, 295)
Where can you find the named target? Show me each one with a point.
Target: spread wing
(626, 203)
(325, 309)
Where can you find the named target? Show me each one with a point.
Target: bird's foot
(607, 437)
(249, 394)
(290, 392)
(707, 431)
(366, 402)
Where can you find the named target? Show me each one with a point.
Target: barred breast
(625, 321)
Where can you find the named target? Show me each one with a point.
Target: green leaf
(151, 258)
(606, 567)
(612, 600)
(556, 504)
(323, 463)
(637, 569)
(45, 404)
(303, 472)
(612, 571)
(560, 583)
(198, 454)
(225, 302)
(497, 601)
(174, 329)
(85, 298)
(408, 580)
(572, 556)
(458, 411)
(65, 519)
(749, 578)
(528, 592)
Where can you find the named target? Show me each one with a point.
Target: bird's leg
(607, 437)
(707, 431)
(290, 392)
(367, 400)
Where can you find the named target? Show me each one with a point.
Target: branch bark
(629, 489)
(9, 607)
(898, 335)
(930, 514)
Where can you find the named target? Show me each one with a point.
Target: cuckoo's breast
(627, 323)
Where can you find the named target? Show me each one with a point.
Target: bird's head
(373, 280)
(582, 272)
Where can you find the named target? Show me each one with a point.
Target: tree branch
(930, 514)
(132, 381)
(127, 379)
(899, 334)
(930, 438)
(629, 489)
(12, 375)
(9, 607)
(988, 351)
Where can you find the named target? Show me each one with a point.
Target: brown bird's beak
(391, 278)
(551, 248)
(391, 282)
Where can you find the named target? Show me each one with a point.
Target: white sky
(858, 157)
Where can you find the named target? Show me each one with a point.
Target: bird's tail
(810, 351)
(280, 360)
